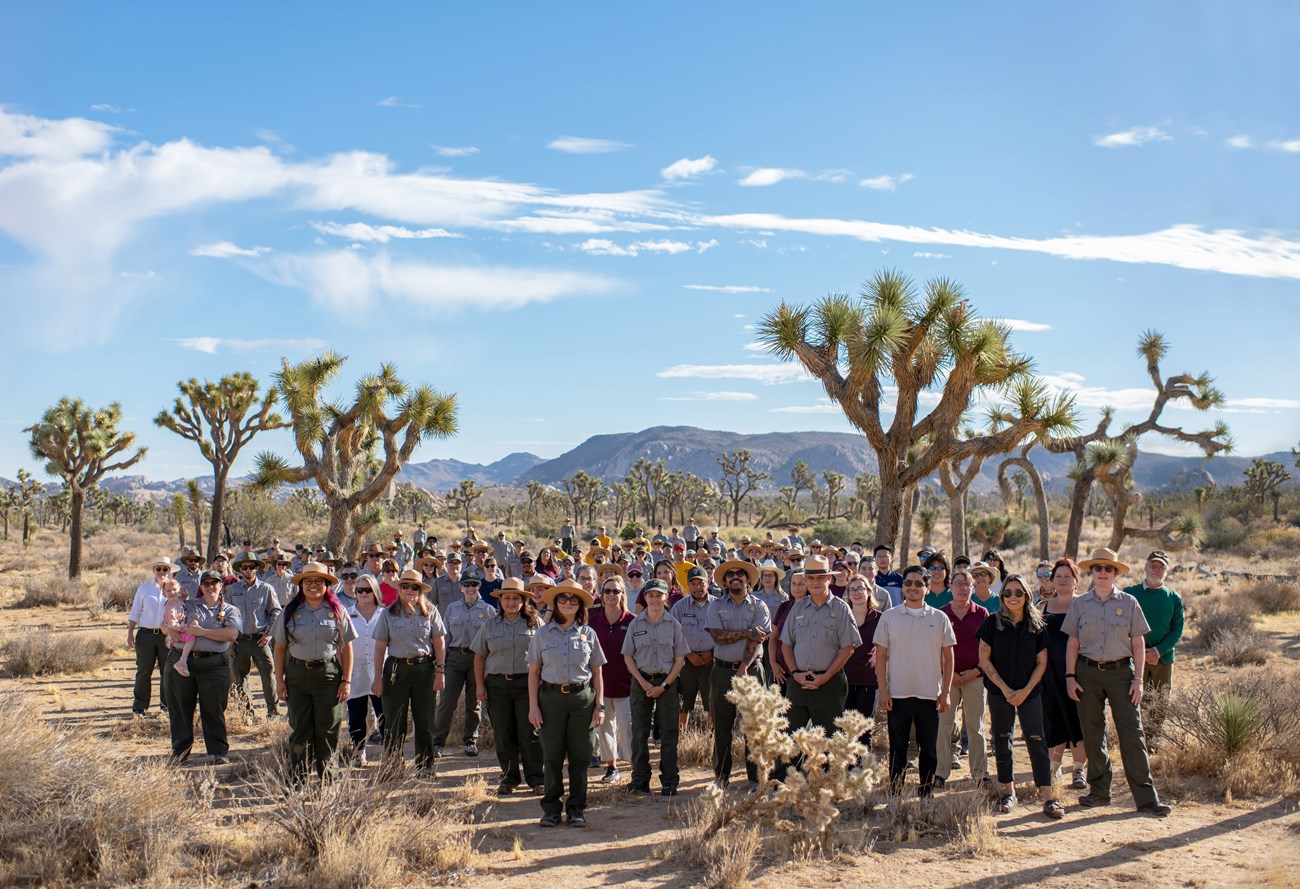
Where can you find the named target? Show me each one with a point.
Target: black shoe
(221, 760)
(549, 820)
(471, 749)
(668, 791)
(538, 788)
(639, 788)
(611, 776)
(576, 819)
(1157, 808)
(1093, 800)
(505, 788)
(939, 782)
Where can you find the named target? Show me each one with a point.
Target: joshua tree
(194, 499)
(355, 450)
(1263, 477)
(178, 511)
(1030, 472)
(460, 501)
(802, 479)
(29, 491)
(894, 340)
(927, 519)
(834, 484)
(739, 479)
(77, 444)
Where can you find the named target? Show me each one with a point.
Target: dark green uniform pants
(819, 707)
(460, 679)
(150, 653)
(1099, 687)
(208, 685)
(517, 742)
(409, 686)
(665, 707)
(724, 721)
(566, 732)
(315, 715)
(1158, 679)
(246, 655)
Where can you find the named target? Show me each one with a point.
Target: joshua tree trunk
(910, 499)
(76, 505)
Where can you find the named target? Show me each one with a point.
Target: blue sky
(571, 214)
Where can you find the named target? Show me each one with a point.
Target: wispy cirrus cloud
(581, 145)
(1240, 142)
(382, 234)
(605, 247)
(1026, 326)
(887, 182)
(765, 176)
(925, 254)
(396, 102)
(712, 396)
(25, 136)
(225, 250)
(727, 288)
(210, 345)
(454, 150)
(686, 168)
(106, 108)
(1131, 138)
(767, 374)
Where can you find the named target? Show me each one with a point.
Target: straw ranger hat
(816, 565)
(1102, 556)
(754, 551)
(750, 569)
(606, 568)
(427, 561)
(512, 585)
(538, 582)
(410, 575)
(164, 562)
(570, 586)
(769, 565)
(314, 569)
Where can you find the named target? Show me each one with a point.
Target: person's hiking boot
(1155, 807)
(549, 820)
(471, 748)
(1093, 800)
(1078, 782)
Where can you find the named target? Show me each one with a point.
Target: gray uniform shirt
(817, 634)
(210, 619)
(189, 581)
(692, 616)
(726, 614)
(1105, 629)
(282, 584)
(654, 646)
(409, 635)
(257, 603)
(772, 601)
(464, 621)
(444, 592)
(313, 634)
(565, 655)
(504, 645)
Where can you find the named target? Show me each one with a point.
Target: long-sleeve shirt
(1164, 613)
(147, 605)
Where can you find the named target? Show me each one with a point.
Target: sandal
(1054, 810)
(1006, 804)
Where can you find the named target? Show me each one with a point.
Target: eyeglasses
(919, 583)
(408, 586)
(565, 599)
(1105, 569)
(1013, 594)
(209, 583)
(161, 570)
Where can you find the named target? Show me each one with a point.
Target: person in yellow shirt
(681, 565)
(604, 538)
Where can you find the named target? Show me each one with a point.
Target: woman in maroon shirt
(860, 669)
(610, 621)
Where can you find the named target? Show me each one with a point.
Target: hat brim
(437, 565)
(750, 569)
(780, 572)
(1086, 565)
(549, 596)
(307, 575)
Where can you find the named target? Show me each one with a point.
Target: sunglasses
(408, 586)
(611, 590)
(919, 583)
(350, 576)
(566, 599)
(210, 583)
(1044, 574)
(367, 589)
(736, 572)
(1105, 569)
(1014, 594)
(161, 570)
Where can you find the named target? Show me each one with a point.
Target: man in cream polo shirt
(914, 658)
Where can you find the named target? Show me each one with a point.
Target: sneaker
(1054, 810)
(225, 761)
(549, 820)
(1078, 782)
(576, 819)
(182, 668)
(1093, 800)
(639, 788)
(611, 776)
(668, 791)
(471, 749)
(956, 762)
(137, 714)
(1006, 804)
(1157, 808)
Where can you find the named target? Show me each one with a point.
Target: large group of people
(587, 656)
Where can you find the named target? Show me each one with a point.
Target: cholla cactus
(827, 771)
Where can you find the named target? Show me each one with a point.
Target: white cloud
(395, 102)
(361, 231)
(110, 109)
(225, 250)
(771, 176)
(712, 396)
(1131, 137)
(22, 135)
(686, 168)
(1275, 403)
(454, 150)
(758, 243)
(754, 347)
(767, 374)
(886, 183)
(579, 145)
(605, 247)
(925, 254)
(1138, 398)
(727, 288)
(1027, 326)
(1240, 141)
(210, 345)
(346, 281)
(1290, 146)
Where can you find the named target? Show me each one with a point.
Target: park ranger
(739, 625)
(692, 612)
(654, 649)
(817, 640)
(259, 606)
(188, 575)
(464, 619)
(446, 589)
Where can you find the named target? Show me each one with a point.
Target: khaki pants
(969, 699)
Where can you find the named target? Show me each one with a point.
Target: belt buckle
(564, 688)
(509, 677)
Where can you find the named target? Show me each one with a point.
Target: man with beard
(446, 589)
(739, 624)
(188, 576)
(692, 613)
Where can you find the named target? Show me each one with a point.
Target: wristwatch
(1069, 676)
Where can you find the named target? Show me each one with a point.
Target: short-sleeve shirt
(915, 642)
(409, 634)
(1105, 628)
(313, 634)
(565, 655)
(966, 654)
(212, 618)
(617, 680)
(727, 614)
(692, 615)
(771, 600)
(503, 643)
(1013, 651)
(464, 621)
(445, 591)
(891, 581)
(189, 581)
(817, 633)
(654, 646)
(257, 603)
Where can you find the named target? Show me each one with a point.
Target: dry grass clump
(1215, 617)
(1240, 648)
(52, 589)
(100, 556)
(44, 653)
(1273, 596)
(72, 812)
(1241, 730)
(117, 590)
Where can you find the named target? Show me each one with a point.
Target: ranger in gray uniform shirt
(259, 605)
(692, 612)
(1107, 637)
(464, 618)
(501, 677)
(739, 625)
(446, 589)
(411, 634)
(655, 648)
(188, 576)
(817, 639)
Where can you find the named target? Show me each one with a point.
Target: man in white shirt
(144, 635)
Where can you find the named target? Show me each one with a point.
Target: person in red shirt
(967, 694)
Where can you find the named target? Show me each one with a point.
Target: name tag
(640, 632)
(576, 645)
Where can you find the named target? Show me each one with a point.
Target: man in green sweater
(1163, 609)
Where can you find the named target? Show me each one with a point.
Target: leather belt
(655, 678)
(1107, 665)
(565, 688)
(464, 649)
(195, 654)
(419, 659)
(311, 665)
(730, 665)
(148, 630)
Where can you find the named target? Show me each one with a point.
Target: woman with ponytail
(313, 668)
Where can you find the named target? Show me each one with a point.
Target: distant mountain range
(696, 450)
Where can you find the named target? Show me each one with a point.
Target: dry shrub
(52, 589)
(953, 815)
(1272, 596)
(1214, 617)
(728, 858)
(43, 653)
(101, 556)
(695, 746)
(117, 591)
(71, 811)
(1240, 648)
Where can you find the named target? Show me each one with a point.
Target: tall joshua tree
(221, 418)
(353, 450)
(77, 445)
(895, 343)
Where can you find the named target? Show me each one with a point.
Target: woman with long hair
(214, 625)
(501, 680)
(860, 669)
(610, 620)
(410, 644)
(939, 593)
(1013, 659)
(365, 615)
(994, 560)
(313, 668)
(566, 699)
(1062, 725)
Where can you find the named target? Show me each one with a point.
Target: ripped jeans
(1003, 717)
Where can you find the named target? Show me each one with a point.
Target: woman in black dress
(1062, 714)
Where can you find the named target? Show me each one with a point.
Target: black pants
(924, 715)
(207, 686)
(518, 746)
(410, 687)
(358, 709)
(863, 699)
(1003, 717)
(724, 722)
(150, 653)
